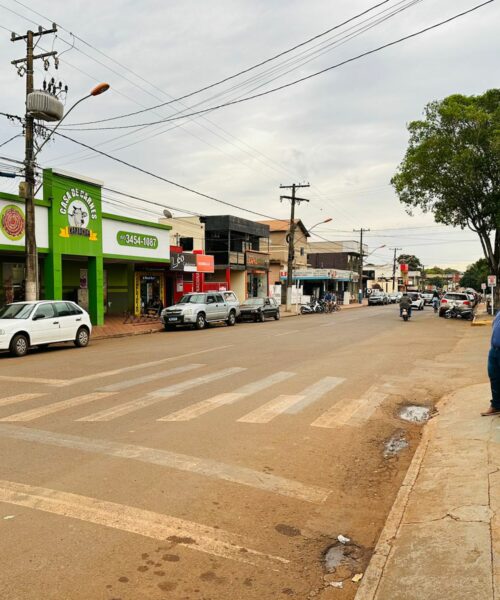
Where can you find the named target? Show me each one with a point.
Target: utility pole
(394, 268)
(26, 67)
(360, 282)
(291, 236)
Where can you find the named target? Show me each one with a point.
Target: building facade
(108, 263)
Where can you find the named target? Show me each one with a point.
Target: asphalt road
(217, 464)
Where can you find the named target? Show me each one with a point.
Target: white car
(416, 300)
(26, 324)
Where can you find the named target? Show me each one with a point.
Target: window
(219, 298)
(210, 299)
(45, 311)
(186, 243)
(16, 311)
(62, 309)
(75, 310)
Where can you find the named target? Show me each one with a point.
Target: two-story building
(241, 254)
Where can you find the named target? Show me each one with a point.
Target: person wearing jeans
(494, 369)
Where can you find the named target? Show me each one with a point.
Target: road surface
(217, 464)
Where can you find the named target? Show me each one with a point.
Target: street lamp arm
(99, 89)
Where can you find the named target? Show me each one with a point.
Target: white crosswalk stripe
(200, 408)
(54, 407)
(158, 395)
(128, 383)
(19, 398)
(352, 411)
(292, 404)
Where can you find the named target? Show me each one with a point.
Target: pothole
(343, 560)
(415, 414)
(395, 444)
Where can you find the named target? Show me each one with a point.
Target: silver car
(460, 299)
(199, 309)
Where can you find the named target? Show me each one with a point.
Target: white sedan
(26, 324)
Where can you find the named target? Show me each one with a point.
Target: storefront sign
(137, 240)
(182, 261)
(197, 282)
(257, 260)
(81, 214)
(12, 222)
(204, 263)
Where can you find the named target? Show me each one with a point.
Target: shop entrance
(257, 284)
(149, 292)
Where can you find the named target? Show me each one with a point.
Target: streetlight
(31, 279)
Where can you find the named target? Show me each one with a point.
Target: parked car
(40, 323)
(460, 299)
(200, 309)
(417, 300)
(259, 309)
(395, 297)
(427, 296)
(377, 297)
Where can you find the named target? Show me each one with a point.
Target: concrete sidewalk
(442, 538)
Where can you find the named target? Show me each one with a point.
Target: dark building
(235, 244)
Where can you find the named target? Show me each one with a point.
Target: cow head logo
(78, 215)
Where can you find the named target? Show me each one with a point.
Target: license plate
(173, 319)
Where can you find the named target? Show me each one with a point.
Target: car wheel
(19, 345)
(82, 337)
(277, 316)
(231, 320)
(262, 317)
(201, 322)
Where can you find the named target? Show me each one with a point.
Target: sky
(343, 131)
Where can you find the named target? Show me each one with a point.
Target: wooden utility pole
(360, 282)
(291, 236)
(394, 269)
(26, 66)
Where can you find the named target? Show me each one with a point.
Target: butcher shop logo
(12, 222)
(80, 210)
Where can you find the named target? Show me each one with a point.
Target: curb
(373, 574)
(121, 335)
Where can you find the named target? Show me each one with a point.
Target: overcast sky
(343, 131)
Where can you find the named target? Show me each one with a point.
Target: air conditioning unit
(44, 106)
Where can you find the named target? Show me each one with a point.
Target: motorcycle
(312, 307)
(405, 314)
(453, 313)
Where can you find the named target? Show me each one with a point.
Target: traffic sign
(483, 286)
(492, 280)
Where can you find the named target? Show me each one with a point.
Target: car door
(69, 319)
(211, 308)
(44, 327)
(268, 308)
(222, 307)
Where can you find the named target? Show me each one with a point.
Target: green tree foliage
(475, 275)
(452, 168)
(411, 260)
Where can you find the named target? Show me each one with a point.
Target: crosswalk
(268, 405)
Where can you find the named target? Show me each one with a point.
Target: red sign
(403, 267)
(197, 282)
(204, 263)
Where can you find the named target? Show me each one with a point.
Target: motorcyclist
(405, 302)
(435, 300)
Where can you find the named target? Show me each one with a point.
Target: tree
(412, 261)
(475, 275)
(452, 168)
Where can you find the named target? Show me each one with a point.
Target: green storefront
(107, 263)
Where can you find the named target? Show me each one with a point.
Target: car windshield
(253, 302)
(413, 296)
(16, 311)
(192, 299)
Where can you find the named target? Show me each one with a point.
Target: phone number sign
(137, 240)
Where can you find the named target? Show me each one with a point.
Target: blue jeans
(494, 375)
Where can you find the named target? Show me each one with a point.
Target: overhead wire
(301, 79)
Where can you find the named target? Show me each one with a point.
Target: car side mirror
(38, 317)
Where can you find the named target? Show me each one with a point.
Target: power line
(242, 72)
(295, 82)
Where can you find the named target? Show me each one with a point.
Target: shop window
(186, 243)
